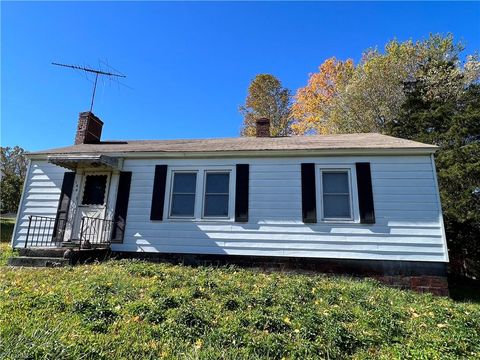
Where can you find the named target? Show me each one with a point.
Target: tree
(13, 166)
(371, 97)
(453, 125)
(266, 98)
(314, 106)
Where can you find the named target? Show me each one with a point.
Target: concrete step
(37, 261)
(42, 252)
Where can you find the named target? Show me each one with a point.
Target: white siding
(408, 216)
(41, 194)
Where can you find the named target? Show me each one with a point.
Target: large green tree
(13, 168)
(454, 125)
(267, 98)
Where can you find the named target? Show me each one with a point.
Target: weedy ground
(138, 310)
(6, 229)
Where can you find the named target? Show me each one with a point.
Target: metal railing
(95, 231)
(40, 232)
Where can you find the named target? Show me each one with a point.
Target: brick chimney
(89, 129)
(263, 127)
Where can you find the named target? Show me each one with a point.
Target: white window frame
(204, 193)
(199, 206)
(352, 180)
(171, 194)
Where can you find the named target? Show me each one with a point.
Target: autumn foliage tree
(315, 109)
(368, 97)
(267, 98)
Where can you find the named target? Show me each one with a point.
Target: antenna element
(95, 71)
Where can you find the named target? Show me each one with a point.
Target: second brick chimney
(89, 129)
(263, 127)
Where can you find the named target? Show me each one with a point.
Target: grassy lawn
(136, 310)
(6, 229)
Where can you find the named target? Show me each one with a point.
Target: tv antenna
(94, 71)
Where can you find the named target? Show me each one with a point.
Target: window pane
(183, 196)
(184, 183)
(336, 206)
(217, 183)
(183, 205)
(94, 191)
(216, 205)
(335, 182)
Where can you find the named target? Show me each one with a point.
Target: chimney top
(89, 129)
(263, 127)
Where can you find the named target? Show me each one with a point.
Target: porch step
(53, 257)
(38, 261)
(42, 252)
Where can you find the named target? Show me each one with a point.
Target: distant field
(136, 310)
(6, 229)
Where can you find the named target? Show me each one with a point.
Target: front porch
(45, 233)
(45, 248)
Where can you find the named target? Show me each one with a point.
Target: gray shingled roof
(314, 142)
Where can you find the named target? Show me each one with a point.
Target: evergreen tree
(453, 125)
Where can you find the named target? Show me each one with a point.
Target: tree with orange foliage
(314, 106)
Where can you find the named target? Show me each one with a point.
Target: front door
(92, 207)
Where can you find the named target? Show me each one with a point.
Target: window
(201, 193)
(183, 194)
(216, 194)
(94, 190)
(336, 194)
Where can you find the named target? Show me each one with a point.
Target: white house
(365, 203)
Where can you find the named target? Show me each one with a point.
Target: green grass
(6, 229)
(5, 252)
(136, 310)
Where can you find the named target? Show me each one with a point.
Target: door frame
(77, 219)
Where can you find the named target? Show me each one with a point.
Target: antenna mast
(89, 70)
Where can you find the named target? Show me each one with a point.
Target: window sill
(339, 221)
(179, 220)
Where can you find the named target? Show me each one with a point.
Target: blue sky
(188, 65)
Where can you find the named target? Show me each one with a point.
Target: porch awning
(73, 162)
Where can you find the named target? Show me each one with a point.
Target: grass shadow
(464, 289)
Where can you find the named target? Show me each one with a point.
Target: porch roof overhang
(73, 162)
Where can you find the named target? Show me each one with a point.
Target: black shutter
(241, 193)
(158, 196)
(63, 206)
(121, 206)
(365, 193)
(309, 198)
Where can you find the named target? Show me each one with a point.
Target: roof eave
(427, 150)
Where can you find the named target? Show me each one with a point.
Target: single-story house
(357, 203)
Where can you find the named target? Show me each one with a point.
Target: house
(363, 204)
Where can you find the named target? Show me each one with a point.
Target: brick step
(37, 261)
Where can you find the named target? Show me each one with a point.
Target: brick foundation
(415, 275)
(437, 285)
